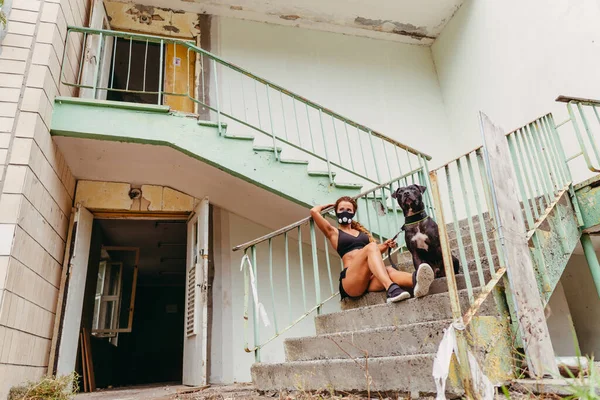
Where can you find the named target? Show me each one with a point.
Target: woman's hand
(388, 244)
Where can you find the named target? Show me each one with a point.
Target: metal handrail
(294, 225)
(589, 144)
(380, 153)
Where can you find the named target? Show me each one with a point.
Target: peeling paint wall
(152, 20)
(116, 196)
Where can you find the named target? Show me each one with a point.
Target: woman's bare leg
(358, 275)
(401, 278)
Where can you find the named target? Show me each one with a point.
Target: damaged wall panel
(126, 197)
(152, 20)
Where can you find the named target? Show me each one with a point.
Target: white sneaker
(424, 278)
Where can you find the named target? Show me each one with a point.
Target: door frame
(65, 281)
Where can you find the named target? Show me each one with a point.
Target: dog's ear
(396, 193)
(422, 188)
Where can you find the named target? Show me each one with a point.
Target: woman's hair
(354, 225)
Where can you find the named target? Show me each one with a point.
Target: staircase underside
(143, 144)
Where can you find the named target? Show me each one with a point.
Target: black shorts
(343, 293)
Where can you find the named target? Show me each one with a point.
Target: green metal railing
(247, 103)
(284, 251)
(584, 117)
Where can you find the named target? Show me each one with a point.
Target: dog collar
(415, 219)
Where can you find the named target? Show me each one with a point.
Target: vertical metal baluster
(484, 235)
(272, 283)
(112, 73)
(243, 97)
(203, 81)
(560, 147)
(394, 208)
(312, 143)
(461, 248)
(362, 153)
(230, 93)
(387, 160)
(336, 140)
(64, 59)
(410, 168)
(519, 151)
(315, 262)
(174, 61)
(272, 127)
(370, 226)
(328, 264)
(287, 275)
(424, 174)
(536, 169)
(283, 115)
(472, 233)
(377, 217)
(389, 231)
(554, 154)
(549, 172)
(255, 309)
(301, 266)
(540, 163)
(98, 63)
(519, 172)
(325, 146)
(560, 159)
(160, 71)
(82, 59)
(129, 64)
(297, 123)
(349, 145)
(246, 298)
(217, 90)
(257, 105)
(370, 135)
(145, 65)
(399, 166)
(589, 132)
(532, 172)
(187, 84)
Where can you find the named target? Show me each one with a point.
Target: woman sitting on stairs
(364, 270)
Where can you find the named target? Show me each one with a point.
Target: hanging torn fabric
(441, 368)
(258, 306)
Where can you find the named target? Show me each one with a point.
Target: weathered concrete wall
(584, 304)
(511, 59)
(390, 87)
(36, 184)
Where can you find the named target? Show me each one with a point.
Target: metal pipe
(315, 262)
(592, 259)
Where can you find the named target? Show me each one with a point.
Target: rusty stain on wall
(237, 8)
(152, 20)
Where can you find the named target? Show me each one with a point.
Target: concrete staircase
(373, 346)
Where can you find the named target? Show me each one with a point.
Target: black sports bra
(347, 242)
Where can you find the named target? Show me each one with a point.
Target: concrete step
(425, 309)
(404, 340)
(397, 375)
(440, 285)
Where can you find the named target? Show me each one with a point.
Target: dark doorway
(153, 351)
(136, 67)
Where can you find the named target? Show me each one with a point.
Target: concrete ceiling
(407, 21)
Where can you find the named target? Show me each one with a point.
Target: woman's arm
(324, 225)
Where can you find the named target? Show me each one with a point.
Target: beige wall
(36, 184)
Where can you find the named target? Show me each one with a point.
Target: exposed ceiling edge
(375, 29)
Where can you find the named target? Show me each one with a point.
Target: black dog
(421, 232)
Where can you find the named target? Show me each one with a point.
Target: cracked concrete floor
(174, 392)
